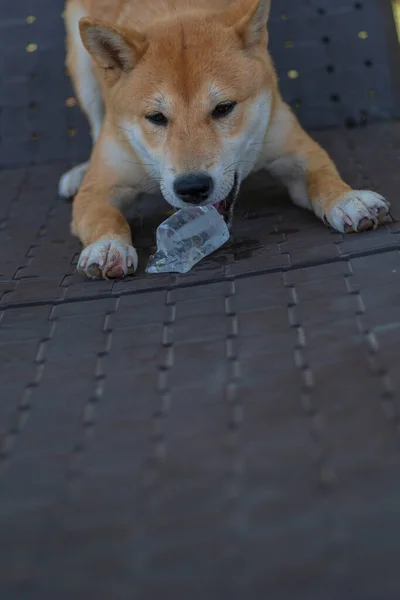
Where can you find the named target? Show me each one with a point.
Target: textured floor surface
(229, 434)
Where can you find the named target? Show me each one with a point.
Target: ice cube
(186, 238)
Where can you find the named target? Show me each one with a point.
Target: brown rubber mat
(232, 433)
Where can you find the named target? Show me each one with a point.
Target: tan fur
(182, 58)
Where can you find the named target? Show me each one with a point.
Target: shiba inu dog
(183, 95)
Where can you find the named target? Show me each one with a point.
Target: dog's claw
(107, 259)
(93, 271)
(357, 211)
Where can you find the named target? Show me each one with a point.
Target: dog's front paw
(357, 211)
(107, 259)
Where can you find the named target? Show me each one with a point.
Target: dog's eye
(223, 109)
(157, 118)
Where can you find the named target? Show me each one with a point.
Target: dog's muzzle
(225, 207)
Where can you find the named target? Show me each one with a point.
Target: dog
(182, 95)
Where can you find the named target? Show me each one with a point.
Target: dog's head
(192, 92)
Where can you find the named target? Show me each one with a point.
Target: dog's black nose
(193, 188)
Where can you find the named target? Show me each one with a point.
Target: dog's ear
(249, 18)
(112, 47)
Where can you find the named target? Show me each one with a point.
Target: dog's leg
(87, 89)
(313, 181)
(71, 180)
(96, 219)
